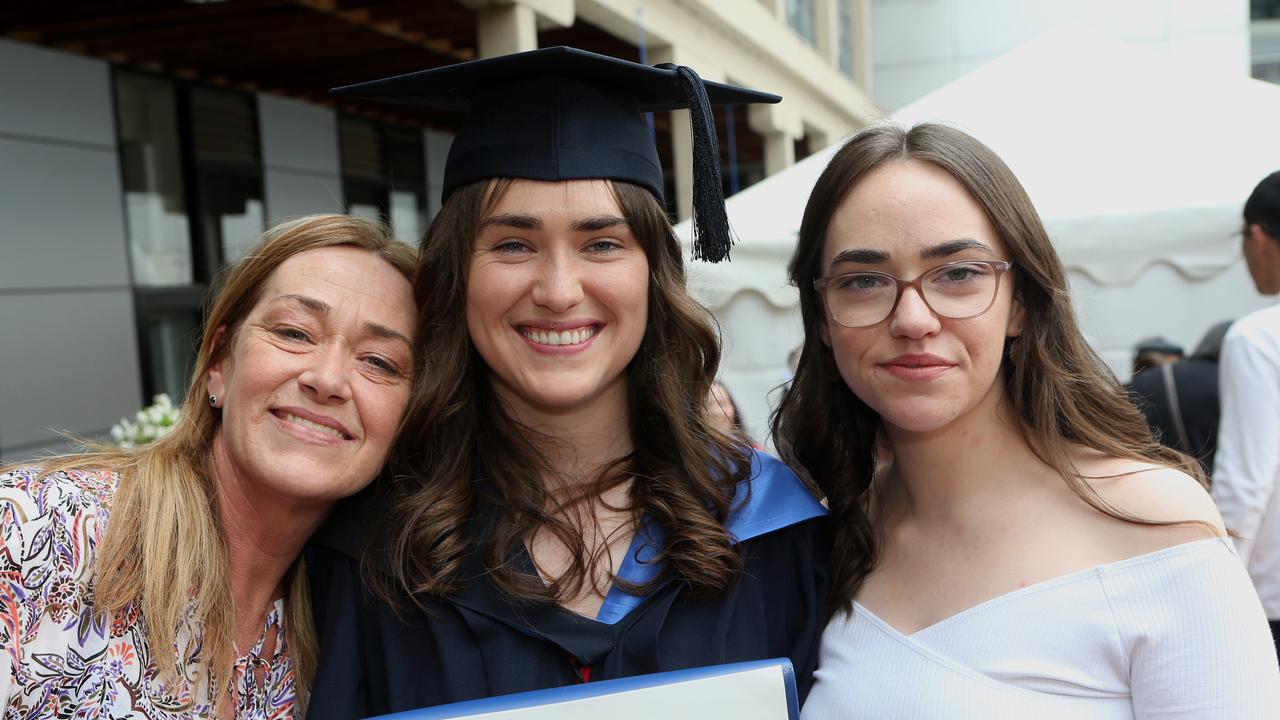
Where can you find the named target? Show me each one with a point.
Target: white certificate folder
(758, 690)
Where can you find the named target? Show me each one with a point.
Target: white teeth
(576, 336)
(325, 429)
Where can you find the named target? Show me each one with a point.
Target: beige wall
(738, 41)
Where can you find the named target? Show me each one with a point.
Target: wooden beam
(363, 18)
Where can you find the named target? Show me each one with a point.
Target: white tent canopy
(1132, 160)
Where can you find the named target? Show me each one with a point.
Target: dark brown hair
(1060, 391)
(684, 473)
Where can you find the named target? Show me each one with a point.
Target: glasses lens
(861, 299)
(960, 290)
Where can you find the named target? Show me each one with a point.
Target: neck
(264, 534)
(582, 439)
(958, 473)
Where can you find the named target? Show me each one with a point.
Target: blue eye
(603, 246)
(511, 246)
(961, 274)
(860, 282)
(291, 333)
(382, 364)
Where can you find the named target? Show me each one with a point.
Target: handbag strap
(1171, 394)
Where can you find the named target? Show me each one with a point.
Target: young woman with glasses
(1009, 539)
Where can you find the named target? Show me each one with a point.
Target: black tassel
(712, 236)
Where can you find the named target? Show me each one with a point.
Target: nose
(558, 287)
(325, 378)
(912, 317)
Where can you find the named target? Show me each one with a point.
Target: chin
(907, 418)
(310, 480)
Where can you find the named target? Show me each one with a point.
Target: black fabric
(1275, 634)
(1196, 383)
(543, 113)
(561, 113)
(480, 643)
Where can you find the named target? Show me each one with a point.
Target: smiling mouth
(311, 425)
(575, 336)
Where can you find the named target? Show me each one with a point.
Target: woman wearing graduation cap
(563, 510)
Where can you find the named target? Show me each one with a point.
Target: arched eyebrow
(519, 222)
(320, 307)
(952, 247)
(598, 223)
(383, 331)
(860, 255)
(867, 256)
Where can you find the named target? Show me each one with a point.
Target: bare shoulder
(1155, 493)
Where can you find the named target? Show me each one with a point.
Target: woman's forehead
(906, 207)
(573, 197)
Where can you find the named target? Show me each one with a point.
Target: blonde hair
(164, 532)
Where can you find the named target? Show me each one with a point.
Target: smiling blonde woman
(165, 581)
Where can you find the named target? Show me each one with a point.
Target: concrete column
(505, 29)
(818, 138)
(780, 131)
(681, 142)
(826, 30)
(861, 34)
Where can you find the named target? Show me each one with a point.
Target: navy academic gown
(480, 643)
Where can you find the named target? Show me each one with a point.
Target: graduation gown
(480, 642)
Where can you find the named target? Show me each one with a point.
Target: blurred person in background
(725, 415)
(1180, 399)
(1154, 352)
(165, 581)
(1247, 465)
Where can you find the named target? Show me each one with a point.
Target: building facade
(142, 149)
(920, 45)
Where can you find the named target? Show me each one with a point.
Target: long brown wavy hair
(163, 546)
(683, 472)
(1058, 388)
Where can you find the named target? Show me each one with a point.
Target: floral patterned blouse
(63, 659)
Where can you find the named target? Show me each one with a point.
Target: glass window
(800, 18)
(1269, 72)
(228, 172)
(384, 175)
(192, 177)
(844, 36)
(1263, 9)
(169, 326)
(151, 171)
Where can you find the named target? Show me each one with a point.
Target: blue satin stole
(777, 500)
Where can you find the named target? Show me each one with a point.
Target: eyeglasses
(956, 290)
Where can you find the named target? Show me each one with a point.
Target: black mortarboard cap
(561, 113)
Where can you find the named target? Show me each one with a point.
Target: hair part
(463, 448)
(1061, 393)
(164, 533)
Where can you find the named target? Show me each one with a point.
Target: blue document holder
(715, 685)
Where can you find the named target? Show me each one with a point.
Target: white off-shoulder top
(1174, 634)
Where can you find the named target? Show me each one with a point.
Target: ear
(1263, 243)
(1017, 318)
(216, 379)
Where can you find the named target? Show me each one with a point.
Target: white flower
(153, 423)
